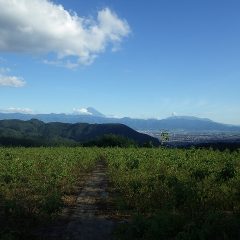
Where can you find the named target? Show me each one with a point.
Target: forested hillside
(38, 133)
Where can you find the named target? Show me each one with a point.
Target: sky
(135, 58)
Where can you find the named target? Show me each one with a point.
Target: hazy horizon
(84, 112)
(137, 59)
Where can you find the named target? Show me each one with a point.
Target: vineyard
(160, 193)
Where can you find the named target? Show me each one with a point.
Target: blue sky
(146, 59)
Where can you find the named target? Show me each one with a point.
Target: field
(178, 194)
(160, 193)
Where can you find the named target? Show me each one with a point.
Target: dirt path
(89, 218)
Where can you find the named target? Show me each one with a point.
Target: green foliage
(227, 172)
(164, 137)
(170, 193)
(33, 182)
(178, 194)
(111, 140)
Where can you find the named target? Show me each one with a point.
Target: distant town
(194, 138)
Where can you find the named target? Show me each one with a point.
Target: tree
(164, 137)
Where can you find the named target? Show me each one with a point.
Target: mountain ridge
(67, 133)
(174, 123)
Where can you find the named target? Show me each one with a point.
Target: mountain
(190, 118)
(94, 112)
(176, 123)
(187, 123)
(41, 133)
(88, 111)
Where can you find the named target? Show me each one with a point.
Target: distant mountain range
(38, 133)
(92, 116)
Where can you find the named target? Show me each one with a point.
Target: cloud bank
(10, 81)
(42, 27)
(17, 110)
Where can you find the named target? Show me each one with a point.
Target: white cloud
(82, 111)
(17, 110)
(10, 81)
(59, 63)
(42, 27)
